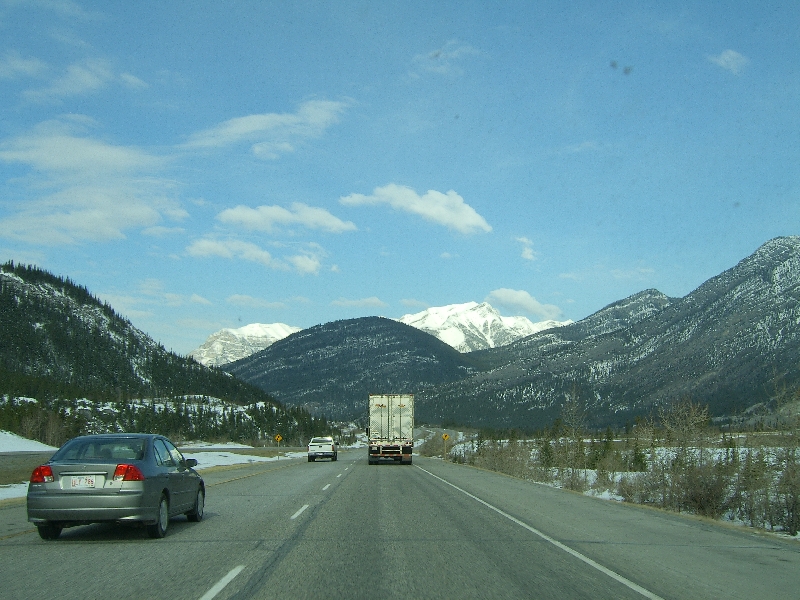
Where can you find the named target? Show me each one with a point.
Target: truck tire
(311, 459)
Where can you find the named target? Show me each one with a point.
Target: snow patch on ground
(11, 442)
(209, 455)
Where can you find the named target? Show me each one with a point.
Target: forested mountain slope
(60, 345)
(332, 368)
(732, 343)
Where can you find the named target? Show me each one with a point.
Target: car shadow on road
(120, 532)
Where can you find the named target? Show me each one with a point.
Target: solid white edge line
(616, 576)
(220, 585)
(299, 512)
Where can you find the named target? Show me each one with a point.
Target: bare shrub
(704, 489)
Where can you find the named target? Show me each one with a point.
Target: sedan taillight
(128, 473)
(43, 474)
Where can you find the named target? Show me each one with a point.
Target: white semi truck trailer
(391, 428)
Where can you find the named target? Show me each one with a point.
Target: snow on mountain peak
(229, 345)
(472, 326)
(465, 327)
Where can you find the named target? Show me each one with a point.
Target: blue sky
(202, 165)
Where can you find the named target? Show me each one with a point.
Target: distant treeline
(54, 422)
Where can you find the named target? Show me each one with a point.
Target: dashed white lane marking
(326, 487)
(299, 512)
(616, 576)
(220, 585)
(339, 475)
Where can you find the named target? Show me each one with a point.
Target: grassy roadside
(16, 467)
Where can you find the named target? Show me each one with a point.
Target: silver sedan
(124, 477)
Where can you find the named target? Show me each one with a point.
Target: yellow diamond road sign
(445, 437)
(278, 437)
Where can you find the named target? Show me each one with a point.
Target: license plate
(84, 481)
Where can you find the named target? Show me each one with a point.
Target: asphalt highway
(346, 529)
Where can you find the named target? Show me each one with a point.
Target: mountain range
(229, 345)
(472, 326)
(332, 368)
(732, 343)
(466, 327)
(70, 364)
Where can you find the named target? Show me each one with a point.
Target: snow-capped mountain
(473, 326)
(229, 345)
(732, 343)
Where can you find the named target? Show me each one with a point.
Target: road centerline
(595, 565)
(299, 512)
(220, 585)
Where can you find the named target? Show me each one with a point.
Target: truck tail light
(42, 474)
(128, 473)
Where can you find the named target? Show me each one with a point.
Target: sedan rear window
(101, 450)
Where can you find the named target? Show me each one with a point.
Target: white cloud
(57, 146)
(305, 263)
(80, 79)
(371, 302)
(271, 134)
(266, 218)
(150, 292)
(83, 189)
(412, 303)
(308, 261)
(251, 302)
(730, 60)
(447, 209)
(520, 300)
(230, 249)
(12, 65)
(132, 81)
(528, 252)
(160, 231)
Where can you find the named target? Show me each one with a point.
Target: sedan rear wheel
(49, 531)
(196, 514)
(159, 528)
